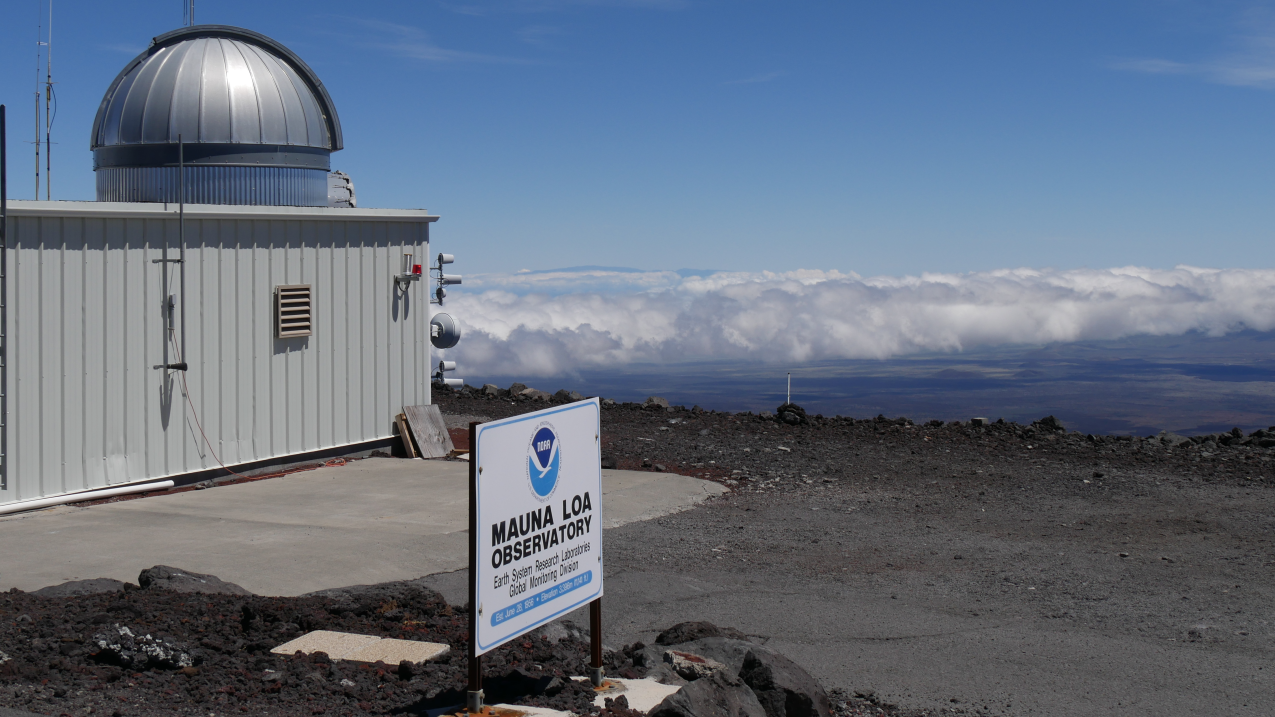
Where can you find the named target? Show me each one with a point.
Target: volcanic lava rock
(1049, 423)
(655, 402)
(118, 645)
(714, 696)
(782, 687)
(688, 631)
(163, 577)
(533, 394)
(83, 587)
(691, 666)
(792, 414)
(567, 396)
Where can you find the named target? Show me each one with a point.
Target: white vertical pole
(789, 388)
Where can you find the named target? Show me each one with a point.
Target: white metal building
(267, 325)
(87, 407)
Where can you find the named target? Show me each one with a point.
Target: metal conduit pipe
(86, 495)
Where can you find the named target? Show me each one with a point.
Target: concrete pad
(643, 695)
(500, 710)
(370, 521)
(392, 651)
(503, 710)
(334, 644)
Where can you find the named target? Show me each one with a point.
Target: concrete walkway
(371, 521)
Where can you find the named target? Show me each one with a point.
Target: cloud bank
(523, 325)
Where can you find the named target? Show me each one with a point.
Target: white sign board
(539, 519)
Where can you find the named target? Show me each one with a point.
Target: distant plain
(1189, 384)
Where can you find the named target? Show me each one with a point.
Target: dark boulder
(714, 696)
(792, 414)
(782, 687)
(1049, 423)
(688, 631)
(163, 577)
(83, 587)
(411, 595)
(609, 462)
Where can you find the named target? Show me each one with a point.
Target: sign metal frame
(590, 594)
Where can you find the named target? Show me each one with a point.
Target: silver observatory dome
(255, 124)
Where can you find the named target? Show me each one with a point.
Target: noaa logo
(543, 460)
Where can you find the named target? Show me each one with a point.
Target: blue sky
(878, 138)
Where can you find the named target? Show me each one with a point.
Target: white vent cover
(293, 311)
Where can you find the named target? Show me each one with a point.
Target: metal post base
(595, 676)
(474, 701)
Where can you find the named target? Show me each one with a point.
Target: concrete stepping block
(392, 651)
(335, 644)
(362, 648)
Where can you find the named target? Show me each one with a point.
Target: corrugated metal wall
(87, 409)
(272, 186)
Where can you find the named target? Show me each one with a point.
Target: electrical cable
(333, 462)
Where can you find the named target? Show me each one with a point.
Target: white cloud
(810, 315)
(413, 43)
(1251, 62)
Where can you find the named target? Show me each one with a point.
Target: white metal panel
(86, 322)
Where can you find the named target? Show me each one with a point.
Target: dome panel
(214, 97)
(184, 115)
(270, 115)
(157, 113)
(294, 122)
(132, 108)
(315, 121)
(255, 123)
(211, 83)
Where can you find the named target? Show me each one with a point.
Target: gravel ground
(1137, 541)
(1129, 575)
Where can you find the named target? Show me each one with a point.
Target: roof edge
(158, 210)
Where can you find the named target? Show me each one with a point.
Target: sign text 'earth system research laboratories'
(538, 499)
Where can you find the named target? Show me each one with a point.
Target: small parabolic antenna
(444, 332)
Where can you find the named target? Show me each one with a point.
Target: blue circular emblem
(543, 461)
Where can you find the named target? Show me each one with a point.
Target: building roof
(156, 210)
(216, 84)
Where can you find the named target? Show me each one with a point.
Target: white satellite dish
(444, 332)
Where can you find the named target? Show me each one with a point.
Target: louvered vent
(293, 310)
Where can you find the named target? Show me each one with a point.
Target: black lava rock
(163, 577)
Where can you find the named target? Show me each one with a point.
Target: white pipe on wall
(87, 495)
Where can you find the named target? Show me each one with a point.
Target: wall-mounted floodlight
(411, 272)
(444, 332)
(447, 366)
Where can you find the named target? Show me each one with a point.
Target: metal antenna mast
(48, 116)
(188, 12)
(4, 309)
(39, 33)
